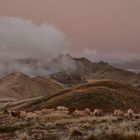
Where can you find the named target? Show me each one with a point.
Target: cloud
(114, 57)
(95, 55)
(21, 38)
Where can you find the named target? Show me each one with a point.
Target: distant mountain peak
(103, 63)
(16, 75)
(82, 59)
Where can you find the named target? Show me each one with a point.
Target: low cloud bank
(22, 39)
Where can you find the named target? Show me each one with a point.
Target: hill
(71, 71)
(105, 94)
(85, 70)
(21, 86)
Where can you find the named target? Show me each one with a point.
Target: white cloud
(21, 38)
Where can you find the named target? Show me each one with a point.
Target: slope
(105, 94)
(17, 85)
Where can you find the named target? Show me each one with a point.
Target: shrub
(75, 132)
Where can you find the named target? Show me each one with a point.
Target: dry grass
(60, 126)
(113, 94)
(75, 132)
(23, 136)
(91, 136)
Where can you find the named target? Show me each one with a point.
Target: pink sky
(105, 25)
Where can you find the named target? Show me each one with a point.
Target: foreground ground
(60, 126)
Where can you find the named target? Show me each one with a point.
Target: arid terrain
(58, 125)
(30, 110)
(105, 94)
(87, 70)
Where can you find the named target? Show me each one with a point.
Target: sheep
(130, 113)
(118, 112)
(23, 114)
(15, 114)
(78, 114)
(47, 111)
(98, 112)
(62, 108)
(87, 111)
(31, 115)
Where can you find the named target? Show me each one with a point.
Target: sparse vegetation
(23, 136)
(92, 137)
(7, 128)
(58, 127)
(112, 94)
(74, 112)
(74, 132)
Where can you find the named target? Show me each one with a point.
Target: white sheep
(31, 115)
(98, 112)
(118, 113)
(87, 111)
(130, 112)
(62, 108)
(47, 111)
(78, 114)
(23, 114)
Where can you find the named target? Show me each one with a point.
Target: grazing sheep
(130, 112)
(87, 111)
(23, 114)
(118, 113)
(62, 108)
(31, 115)
(47, 111)
(15, 114)
(5, 112)
(98, 112)
(78, 114)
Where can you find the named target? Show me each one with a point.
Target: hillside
(102, 70)
(85, 70)
(71, 71)
(105, 94)
(20, 86)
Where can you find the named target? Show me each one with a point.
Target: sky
(100, 29)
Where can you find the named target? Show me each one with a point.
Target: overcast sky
(98, 26)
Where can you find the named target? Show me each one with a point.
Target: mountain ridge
(106, 94)
(20, 86)
(88, 70)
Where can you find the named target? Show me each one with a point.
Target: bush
(75, 132)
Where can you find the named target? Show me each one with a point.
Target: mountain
(105, 94)
(84, 70)
(130, 65)
(71, 71)
(64, 69)
(21, 86)
(68, 79)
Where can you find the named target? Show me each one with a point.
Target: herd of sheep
(71, 111)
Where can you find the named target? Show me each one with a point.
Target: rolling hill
(105, 94)
(21, 86)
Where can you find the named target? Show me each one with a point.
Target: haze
(99, 29)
